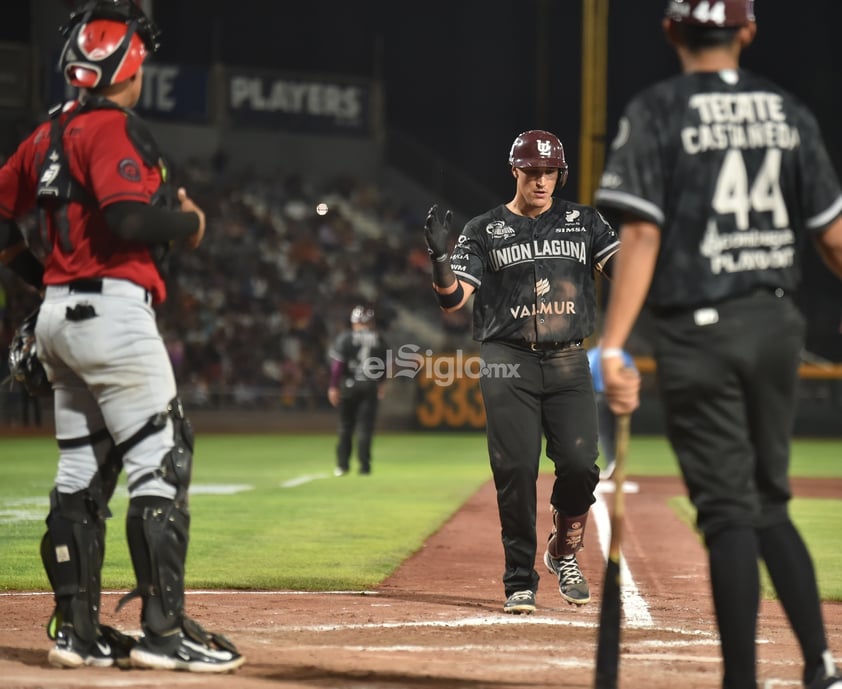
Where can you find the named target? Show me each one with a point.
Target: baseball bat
(608, 638)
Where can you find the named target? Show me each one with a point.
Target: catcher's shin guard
(157, 530)
(72, 550)
(568, 534)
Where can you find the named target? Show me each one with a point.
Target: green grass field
(268, 514)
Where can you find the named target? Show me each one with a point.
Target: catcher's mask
(362, 314)
(107, 42)
(539, 148)
(24, 366)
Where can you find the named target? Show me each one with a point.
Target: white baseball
(321, 209)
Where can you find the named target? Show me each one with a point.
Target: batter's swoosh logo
(105, 649)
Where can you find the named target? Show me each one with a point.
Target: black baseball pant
(729, 390)
(528, 395)
(729, 396)
(357, 413)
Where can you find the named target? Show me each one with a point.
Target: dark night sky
(465, 76)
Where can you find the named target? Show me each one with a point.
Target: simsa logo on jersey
(443, 369)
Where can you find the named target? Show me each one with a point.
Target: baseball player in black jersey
(720, 177)
(530, 265)
(357, 375)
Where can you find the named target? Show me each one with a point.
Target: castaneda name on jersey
(739, 120)
(506, 256)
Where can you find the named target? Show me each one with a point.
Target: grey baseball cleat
(520, 602)
(571, 584)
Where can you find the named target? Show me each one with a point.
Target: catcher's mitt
(24, 366)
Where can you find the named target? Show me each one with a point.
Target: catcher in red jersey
(530, 265)
(108, 215)
(720, 178)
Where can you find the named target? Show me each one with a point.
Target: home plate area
(438, 620)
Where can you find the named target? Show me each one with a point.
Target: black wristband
(29, 268)
(442, 272)
(451, 299)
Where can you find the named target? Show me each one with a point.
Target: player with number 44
(717, 179)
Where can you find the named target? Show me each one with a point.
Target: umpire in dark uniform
(721, 177)
(357, 375)
(530, 265)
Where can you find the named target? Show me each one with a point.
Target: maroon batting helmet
(714, 13)
(107, 42)
(539, 148)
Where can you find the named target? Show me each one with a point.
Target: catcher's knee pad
(157, 530)
(568, 534)
(108, 460)
(177, 464)
(72, 551)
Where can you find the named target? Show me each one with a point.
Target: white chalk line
(608, 486)
(635, 609)
(301, 480)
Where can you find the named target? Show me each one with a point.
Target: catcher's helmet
(714, 13)
(107, 42)
(539, 148)
(362, 314)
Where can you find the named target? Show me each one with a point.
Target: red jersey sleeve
(116, 171)
(17, 184)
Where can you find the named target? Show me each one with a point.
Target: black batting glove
(436, 233)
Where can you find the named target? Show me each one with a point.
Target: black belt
(86, 285)
(546, 346)
(98, 286)
(667, 311)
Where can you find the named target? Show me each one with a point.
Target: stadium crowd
(250, 314)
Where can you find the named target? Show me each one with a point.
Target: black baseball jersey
(364, 353)
(534, 277)
(734, 172)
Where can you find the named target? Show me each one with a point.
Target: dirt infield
(437, 622)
